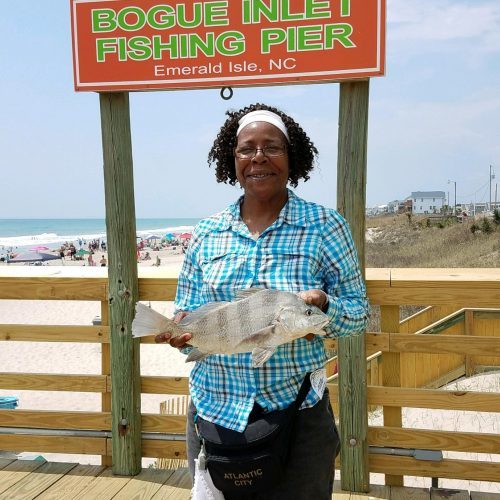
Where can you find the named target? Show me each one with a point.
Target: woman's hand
(316, 298)
(178, 342)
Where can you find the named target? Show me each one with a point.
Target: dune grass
(397, 241)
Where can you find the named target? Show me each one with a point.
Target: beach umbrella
(169, 236)
(185, 236)
(153, 237)
(37, 249)
(34, 257)
(82, 252)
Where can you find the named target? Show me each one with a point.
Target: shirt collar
(292, 213)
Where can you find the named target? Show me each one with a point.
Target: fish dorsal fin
(201, 311)
(244, 294)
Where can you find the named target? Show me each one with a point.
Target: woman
(271, 238)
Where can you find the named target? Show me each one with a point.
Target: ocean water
(25, 233)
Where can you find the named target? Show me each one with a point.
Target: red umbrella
(185, 236)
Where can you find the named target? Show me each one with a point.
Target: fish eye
(309, 312)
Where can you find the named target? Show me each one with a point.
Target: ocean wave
(53, 238)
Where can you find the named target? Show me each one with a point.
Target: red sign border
(198, 83)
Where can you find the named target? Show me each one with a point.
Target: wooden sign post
(123, 285)
(351, 203)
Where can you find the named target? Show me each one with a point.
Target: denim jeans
(311, 466)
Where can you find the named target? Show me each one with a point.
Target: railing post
(123, 284)
(391, 376)
(105, 370)
(469, 330)
(351, 203)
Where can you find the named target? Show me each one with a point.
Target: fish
(258, 320)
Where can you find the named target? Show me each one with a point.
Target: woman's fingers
(180, 341)
(163, 338)
(315, 297)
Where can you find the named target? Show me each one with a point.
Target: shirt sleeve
(348, 306)
(188, 295)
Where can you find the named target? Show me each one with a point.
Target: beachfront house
(428, 202)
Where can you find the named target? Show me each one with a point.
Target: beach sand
(80, 358)
(163, 360)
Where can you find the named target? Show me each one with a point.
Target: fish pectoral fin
(260, 355)
(195, 355)
(260, 337)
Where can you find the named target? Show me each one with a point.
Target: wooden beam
(53, 444)
(391, 376)
(54, 333)
(49, 382)
(123, 283)
(447, 468)
(48, 419)
(351, 203)
(453, 344)
(164, 385)
(436, 399)
(468, 442)
(86, 420)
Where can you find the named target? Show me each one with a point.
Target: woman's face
(261, 176)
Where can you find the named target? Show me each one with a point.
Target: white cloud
(427, 20)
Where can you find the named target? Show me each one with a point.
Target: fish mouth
(320, 327)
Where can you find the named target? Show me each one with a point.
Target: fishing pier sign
(147, 44)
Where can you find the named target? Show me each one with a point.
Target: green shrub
(496, 216)
(486, 226)
(474, 228)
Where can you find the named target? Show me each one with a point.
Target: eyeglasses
(247, 152)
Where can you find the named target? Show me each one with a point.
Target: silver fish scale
(221, 330)
(228, 325)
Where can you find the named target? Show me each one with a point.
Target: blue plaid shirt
(308, 246)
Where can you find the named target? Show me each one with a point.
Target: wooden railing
(391, 385)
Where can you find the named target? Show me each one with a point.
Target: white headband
(262, 115)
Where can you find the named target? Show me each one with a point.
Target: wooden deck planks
(5, 461)
(16, 471)
(177, 487)
(480, 495)
(402, 493)
(448, 494)
(144, 485)
(377, 491)
(70, 485)
(29, 479)
(37, 481)
(103, 487)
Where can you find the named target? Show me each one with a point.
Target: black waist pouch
(255, 459)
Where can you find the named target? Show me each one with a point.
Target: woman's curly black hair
(301, 150)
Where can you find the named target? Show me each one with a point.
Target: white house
(428, 202)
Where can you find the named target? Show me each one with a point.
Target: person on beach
(103, 261)
(271, 238)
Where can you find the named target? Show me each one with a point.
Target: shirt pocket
(292, 270)
(223, 273)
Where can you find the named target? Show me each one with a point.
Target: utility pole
(490, 186)
(492, 176)
(455, 204)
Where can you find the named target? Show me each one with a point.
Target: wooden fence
(422, 351)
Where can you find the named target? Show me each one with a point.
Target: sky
(433, 118)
